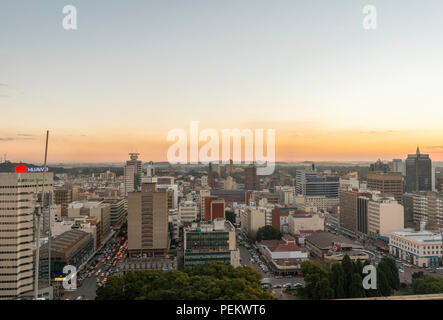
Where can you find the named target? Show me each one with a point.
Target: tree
(322, 290)
(383, 287)
(427, 284)
(213, 280)
(337, 280)
(389, 267)
(230, 216)
(356, 290)
(268, 233)
(348, 269)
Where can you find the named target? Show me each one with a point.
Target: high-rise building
(213, 177)
(398, 166)
(418, 172)
(229, 168)
(389, 184)
(349, 208)
(309, 183)
(118, 211)
(428, 208)
(63, 197)
(148, 221)
(133, 172)
(19, 193)
(379, 166)
(385, 215)
(252, 180)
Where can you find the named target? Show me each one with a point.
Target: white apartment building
(422, 249)
(385, 215)
(18, 193)
(188, 211)
(349, 181)
(252, 219)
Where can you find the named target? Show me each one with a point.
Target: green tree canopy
(268, 233)
(210, 281)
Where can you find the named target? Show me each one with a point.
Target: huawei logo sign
(20, 169)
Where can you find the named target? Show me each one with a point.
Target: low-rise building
(322, 243)
(215, 241)
(422, 249)
(302, 222)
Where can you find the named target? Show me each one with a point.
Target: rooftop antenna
(38, 216)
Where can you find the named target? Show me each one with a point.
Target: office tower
(389, 184)
(408, 206)
(252, 180)
(362, 214)
(252, 219)
(229, 168)
(212, 177)
(349, 208)
(439, 184)
(118, 211)
(310, 184)
(148, 221)
(379, 166)
(63, 197)
(205, 242)
(398, 166)
(418, 172)
(19, 193)
(150, 169)
(428, 208)
(133, 172)
(385, 215)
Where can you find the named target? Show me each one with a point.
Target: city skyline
(332, 90)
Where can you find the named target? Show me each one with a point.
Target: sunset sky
(136, 69)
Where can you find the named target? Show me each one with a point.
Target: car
(297, 285)
(401, 270)
(287, 285)
(276, 286)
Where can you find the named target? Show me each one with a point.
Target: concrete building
(349, 181)
(389, 184)
(252, 219)
(349, 207)
(18, 195)
(398, 166)
(148, 221)
(252, 180)
(428, 208)
(309, 183)
(385, 215)
(215, 241)
(422, 249)
(188, 211)
(93, 210)
(63, 197)
(118, 211)
(303, 223)
(132, 173)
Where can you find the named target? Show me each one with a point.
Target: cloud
(7, 139)
(26, 135)
(3, 84)
(4, 96)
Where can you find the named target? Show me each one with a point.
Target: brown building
(63, 197)
(349, 209)
(389, 184)
(148, 221)
(214, 208)
(252, 181)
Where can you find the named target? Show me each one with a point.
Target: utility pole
(38, 216)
